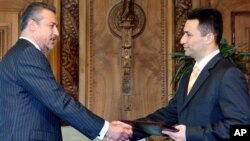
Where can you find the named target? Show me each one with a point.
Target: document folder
(150, 127)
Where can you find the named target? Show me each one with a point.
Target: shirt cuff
(104, 130)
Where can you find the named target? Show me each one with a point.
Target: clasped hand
(118, 131)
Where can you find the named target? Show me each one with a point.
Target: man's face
(192, 41)
(46, 31)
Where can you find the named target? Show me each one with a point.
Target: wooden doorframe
(83, 43)
(233, 16)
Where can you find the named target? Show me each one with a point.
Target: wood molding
(5, 36)
(233, 20)
(82, 51)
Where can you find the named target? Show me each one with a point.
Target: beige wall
(71, 134)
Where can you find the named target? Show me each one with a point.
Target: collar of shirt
(206, 59)
(28, 39)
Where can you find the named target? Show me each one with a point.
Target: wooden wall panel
(100, 61)
(8, 29)
(149, 72)
(236, 18)
(5, 36)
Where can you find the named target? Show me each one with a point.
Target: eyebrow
(187, 32)
(53, 23)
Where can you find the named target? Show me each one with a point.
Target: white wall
(71, 134)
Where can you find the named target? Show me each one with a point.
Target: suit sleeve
(166, 114)
(36, 76)
(235, 105)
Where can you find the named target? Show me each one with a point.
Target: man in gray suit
(219, 96)
(31, 101)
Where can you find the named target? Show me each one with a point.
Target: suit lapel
(200, 80)
(182, 90)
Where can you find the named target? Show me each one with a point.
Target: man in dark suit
(31, 101)
(219, 97)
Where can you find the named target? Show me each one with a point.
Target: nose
(56, 32)
(183, 39)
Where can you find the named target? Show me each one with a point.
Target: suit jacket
(218, 99)
(32, 102)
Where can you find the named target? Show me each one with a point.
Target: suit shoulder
(224, 66)
(24, 48)
(224, 63)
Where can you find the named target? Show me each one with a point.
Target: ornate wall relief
(107, 55)
(70, 47)
(181, 8)
(126, 20)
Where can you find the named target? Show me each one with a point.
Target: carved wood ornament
(181, 8)
(70, 47)
(126, 21)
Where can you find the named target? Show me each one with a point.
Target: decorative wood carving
(181, 8)
(104, 61)
(116, 17)
(126, 19)
(70, 47)
(90, 95)
(164, 51)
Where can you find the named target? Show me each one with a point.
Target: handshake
(118, 131)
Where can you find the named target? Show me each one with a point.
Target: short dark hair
(210, 20)
(32, 12)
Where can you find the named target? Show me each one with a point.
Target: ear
(210, 38)
(31, 25)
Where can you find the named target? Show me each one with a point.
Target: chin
(50, 47)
